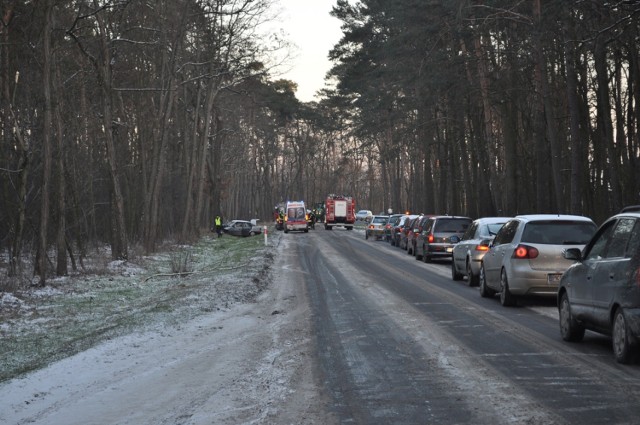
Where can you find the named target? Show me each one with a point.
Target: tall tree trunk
(119, 247)
(61, 244)
(153, 193)
(488, 139)
(163, 120)
(41, 267)
(207, 135)
(546, 113)
(605, 124)
(15, 260)
(189, 225)
(633, 122)
(577, 164)
(22, 150)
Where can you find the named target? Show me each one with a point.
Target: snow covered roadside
(250, 363)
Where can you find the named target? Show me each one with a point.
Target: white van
(296, 217)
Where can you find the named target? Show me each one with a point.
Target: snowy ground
(228, 343)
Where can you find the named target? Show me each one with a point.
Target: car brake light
(482, 247)
(371, 226)
(525, 252)
(430, 238)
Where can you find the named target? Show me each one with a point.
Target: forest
(133, 122)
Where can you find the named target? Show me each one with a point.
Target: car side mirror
(573, 254)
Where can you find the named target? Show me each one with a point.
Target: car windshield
(452, 225)
(558, 232)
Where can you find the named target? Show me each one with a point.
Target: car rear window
(451, 225)
(558, 232)
(379, 220)
(492, 229)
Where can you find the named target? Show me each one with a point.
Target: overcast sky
(314, 32)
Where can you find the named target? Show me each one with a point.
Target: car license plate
(554, 278)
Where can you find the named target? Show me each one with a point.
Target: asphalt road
(399, 342)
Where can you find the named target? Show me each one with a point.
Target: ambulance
(296, 217)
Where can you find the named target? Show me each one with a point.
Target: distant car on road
(601, 291)
(396, 231)
(406, 230)
(241, 228)
(467, 254)
(364, 215)
(375, 228)
(390, 227)
(525, 257)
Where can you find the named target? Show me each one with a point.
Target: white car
(376, 227)
(242, 228)
(526, 256)
(468, 253)
(364, 215)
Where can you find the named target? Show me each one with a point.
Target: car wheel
(454, 272)
(472, 279)
(506, 298)
(623, 350)
(252, 233)
(366, 235)
(485, 291)
(426, 258)
(418, 256)
(570, 329)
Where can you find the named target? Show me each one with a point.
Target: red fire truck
(340, 211)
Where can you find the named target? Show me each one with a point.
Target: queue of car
(593, 272)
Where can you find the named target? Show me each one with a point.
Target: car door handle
(612, 276)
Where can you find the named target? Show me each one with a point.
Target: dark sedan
(601, 291)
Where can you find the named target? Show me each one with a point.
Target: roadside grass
(72, 314)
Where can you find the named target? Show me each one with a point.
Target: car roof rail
(630, 208)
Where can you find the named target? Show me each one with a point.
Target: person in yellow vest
(218, 225)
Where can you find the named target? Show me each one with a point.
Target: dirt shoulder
(251, 363)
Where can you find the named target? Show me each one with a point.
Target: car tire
(506, 298)
(366, 235)
(623, 349)
(485, 291)
(409, 249)
(472, 279)
(418, 256)
(570, 329)
(455, 275)
(252, 233)
(426, 258)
